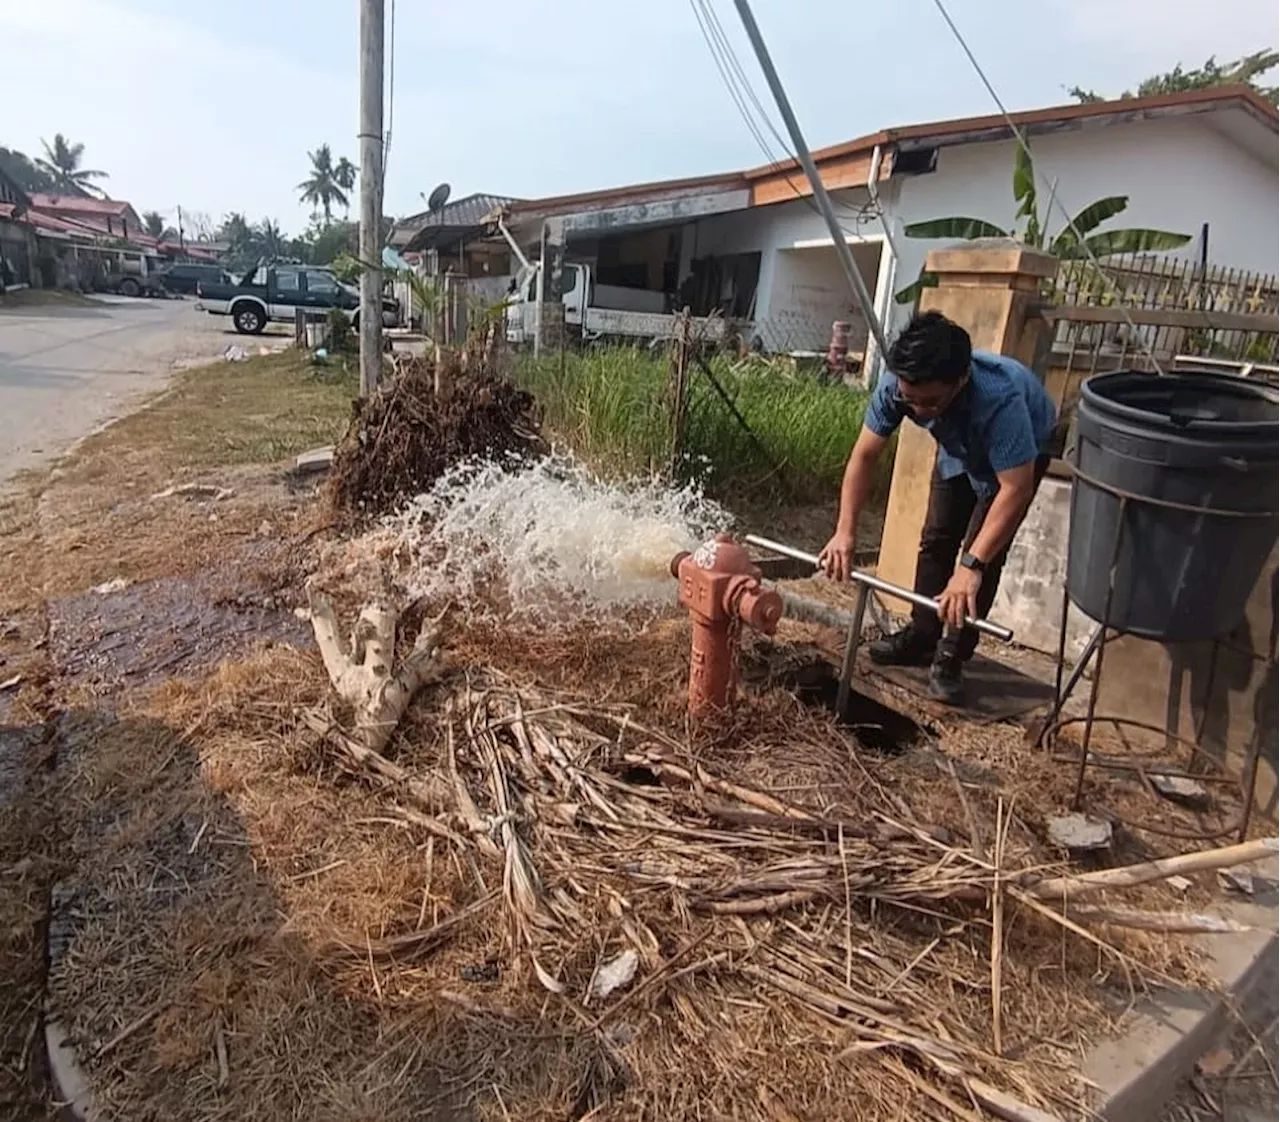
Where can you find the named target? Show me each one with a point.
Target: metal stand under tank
(1127, 509)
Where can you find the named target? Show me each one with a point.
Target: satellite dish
(437, 198)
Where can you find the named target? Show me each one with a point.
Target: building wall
(1178, 173)
(790, 276)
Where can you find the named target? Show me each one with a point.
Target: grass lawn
(613, 408)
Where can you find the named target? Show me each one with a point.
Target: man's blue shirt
(1002, 419)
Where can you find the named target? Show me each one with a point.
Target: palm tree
(344, 174)
(269, 238)
(238, 234)
(62, 163)
(154, 222)
(322, 188)
(1076, 241)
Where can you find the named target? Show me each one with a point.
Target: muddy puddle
(139, 634)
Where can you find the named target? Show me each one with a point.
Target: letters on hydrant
(720, 587)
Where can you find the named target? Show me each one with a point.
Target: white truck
(599, 311)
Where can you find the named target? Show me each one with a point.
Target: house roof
(632, 193)
(466, 213)
(965, 130)
(59, 227)
(80, 204)
(849, 163)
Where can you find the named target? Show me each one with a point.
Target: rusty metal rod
(982, 625)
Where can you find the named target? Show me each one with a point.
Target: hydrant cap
(724, 555)
(677, 561)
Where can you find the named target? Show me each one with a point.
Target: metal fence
(1148, 313)
(1151, 281)
(1158, 315)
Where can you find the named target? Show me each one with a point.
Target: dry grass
(90, 520)
(259, 411)
(306, 942)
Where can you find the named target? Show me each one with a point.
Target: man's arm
(1012, 449)
(1009, 507)
(859, 474)
(1003, 517)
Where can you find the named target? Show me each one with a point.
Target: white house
(752, 242)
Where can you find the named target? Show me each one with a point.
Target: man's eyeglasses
(927, 401)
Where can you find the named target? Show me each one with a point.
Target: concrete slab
(1137, 1074)
(994, 690)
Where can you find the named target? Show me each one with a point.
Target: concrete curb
(70, 1083)
(1138, 1073)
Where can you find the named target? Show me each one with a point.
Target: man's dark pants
(954, 517)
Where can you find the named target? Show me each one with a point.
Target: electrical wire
(1053, 198)
(865, 213)
(741, 91)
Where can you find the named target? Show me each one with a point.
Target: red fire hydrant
(720, 586)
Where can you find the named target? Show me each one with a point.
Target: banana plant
(1076, 241)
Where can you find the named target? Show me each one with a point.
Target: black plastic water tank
(1197, 440)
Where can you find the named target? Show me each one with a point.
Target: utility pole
(181, 243)
(843, 252)
(372, 42)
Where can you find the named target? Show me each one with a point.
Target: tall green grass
(613, 408)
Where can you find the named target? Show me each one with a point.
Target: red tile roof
(78, 204)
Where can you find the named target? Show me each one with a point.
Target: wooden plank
(1168, 317)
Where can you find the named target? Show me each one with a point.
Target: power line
(1053, 198)
(861, 214)
(741, 91)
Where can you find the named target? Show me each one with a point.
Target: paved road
(64, 371)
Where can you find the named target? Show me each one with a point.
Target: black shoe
(946, 681)
(903, 648)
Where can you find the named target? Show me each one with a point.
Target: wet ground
(144, 633)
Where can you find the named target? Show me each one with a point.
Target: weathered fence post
(679, 399)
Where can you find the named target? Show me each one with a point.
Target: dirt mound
(403, 437)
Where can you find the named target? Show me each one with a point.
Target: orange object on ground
(720, 587)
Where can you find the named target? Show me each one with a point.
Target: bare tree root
(363, 671)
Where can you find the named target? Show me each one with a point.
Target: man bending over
(994, 423)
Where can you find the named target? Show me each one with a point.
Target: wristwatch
(969, 561)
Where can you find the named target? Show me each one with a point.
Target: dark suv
(182, 279)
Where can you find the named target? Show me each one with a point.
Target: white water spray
(548, 542)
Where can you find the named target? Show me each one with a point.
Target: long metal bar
(982, 625)
(843, 252)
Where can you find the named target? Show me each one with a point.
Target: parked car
(275, 292)
(182, 278)
(134, 284)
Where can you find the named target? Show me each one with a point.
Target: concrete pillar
(991, 289)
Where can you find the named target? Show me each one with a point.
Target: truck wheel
(249, 319)
(130, 287)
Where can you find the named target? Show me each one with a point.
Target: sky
(214, 106)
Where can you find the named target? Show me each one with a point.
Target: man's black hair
(931, 349)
